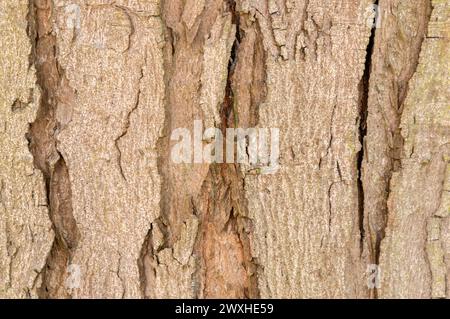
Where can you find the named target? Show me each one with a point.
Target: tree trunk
(93, 205)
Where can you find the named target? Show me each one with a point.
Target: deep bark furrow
(364, 108)
(206, 202)
(227, 268)
(394, 60)
(43, 146)
(187, 48)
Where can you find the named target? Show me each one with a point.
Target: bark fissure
(396, 46)
(221, 257)
(127, 125)
(42, 139)
(364, 101)
(222, 210)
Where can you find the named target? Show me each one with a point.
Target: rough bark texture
(394, 60)
(92, 204)
(25, 229)
(415, 252)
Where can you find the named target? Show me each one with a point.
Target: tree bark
(92, 204)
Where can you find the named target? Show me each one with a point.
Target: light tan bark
(414, 254)
(92, 204)
(395, 56)
(25, 229)
(307, 238)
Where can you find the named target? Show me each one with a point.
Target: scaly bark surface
(93, 205)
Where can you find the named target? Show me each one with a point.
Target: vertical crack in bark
(43, 145)
(227, 268)
(223, 264)
(127, 124)
(393, 57)
(364, 103)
